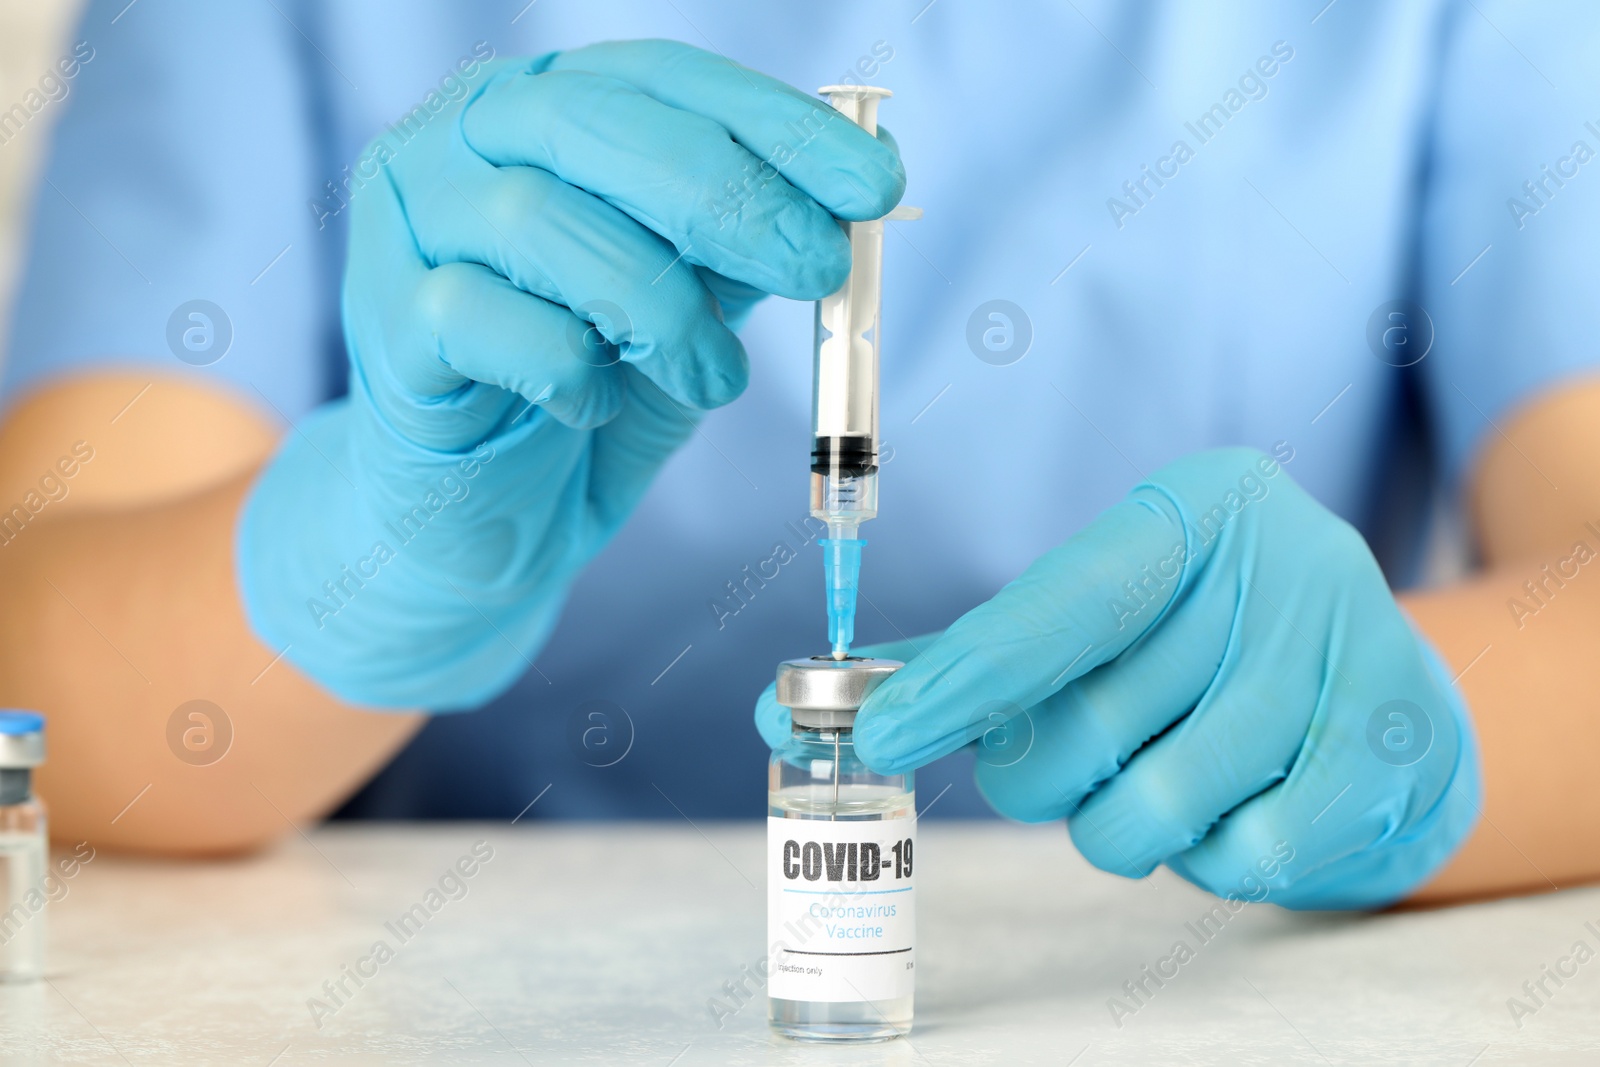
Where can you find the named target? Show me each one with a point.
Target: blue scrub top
(1197, 214)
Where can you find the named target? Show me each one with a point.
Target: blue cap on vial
(21, 750)
(21, 738)
(14, 721)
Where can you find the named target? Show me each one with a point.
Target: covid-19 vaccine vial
(23, 848)
(841, 852)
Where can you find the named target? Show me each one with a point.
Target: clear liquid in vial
(22, 861)
(867, 1020)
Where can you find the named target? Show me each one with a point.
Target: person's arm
(121, 605)
(412, 541)
(1530, 662)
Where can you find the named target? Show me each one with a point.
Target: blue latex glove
(538, 297)
(1211, 675)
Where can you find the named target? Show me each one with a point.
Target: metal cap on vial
(825, 693)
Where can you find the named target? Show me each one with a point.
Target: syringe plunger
(844, 456)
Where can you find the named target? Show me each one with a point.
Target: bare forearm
(118, 612)
(1534, 694)
(1525, 635)
(114, 621)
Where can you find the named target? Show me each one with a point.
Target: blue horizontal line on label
(887, 952)
(842, 893)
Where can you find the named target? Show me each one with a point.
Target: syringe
(844, 454)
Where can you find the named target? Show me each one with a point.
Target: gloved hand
(538, 302)
(1211, 675)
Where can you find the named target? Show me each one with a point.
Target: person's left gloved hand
(1212, 675)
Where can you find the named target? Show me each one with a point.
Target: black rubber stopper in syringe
(852, 457)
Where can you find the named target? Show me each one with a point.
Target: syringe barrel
(844, 500)
(844, 456)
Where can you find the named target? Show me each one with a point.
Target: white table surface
(604, 943)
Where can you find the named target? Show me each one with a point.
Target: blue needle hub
(842, 561)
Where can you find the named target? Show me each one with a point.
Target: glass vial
(23, 848)
(841, 852)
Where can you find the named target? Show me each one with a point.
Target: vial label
(841, 907)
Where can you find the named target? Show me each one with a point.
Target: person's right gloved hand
(538, 303)
(1212, 675)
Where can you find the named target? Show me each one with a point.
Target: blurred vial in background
(23, 848)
